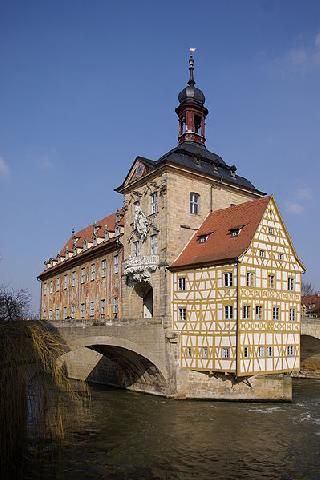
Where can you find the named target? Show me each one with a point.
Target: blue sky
(86, 86)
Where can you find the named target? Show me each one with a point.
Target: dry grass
(33, 382)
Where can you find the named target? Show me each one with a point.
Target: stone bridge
(310, 347)
(136, 355)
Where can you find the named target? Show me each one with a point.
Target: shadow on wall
(126, 369)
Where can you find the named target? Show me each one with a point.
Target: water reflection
(124, 435)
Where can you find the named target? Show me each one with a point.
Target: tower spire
(191, 81)
(191, 110)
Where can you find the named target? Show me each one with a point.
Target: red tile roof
(220, 245)
(87, 232)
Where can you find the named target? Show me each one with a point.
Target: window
(262, 253)
(189, 352)
(93, 272)
(250, 279)
(85, 244)
(57, 284)
(234, 232)
(258, 312)
(91, 309)
(106, 235)
(73, 279)
(115, 264)
(154, 202)
(102, 306)
(280, 256)
(73, 311)
(50, 314)
(117, 231)
(115, 306)
(136, 249)
(204, 352)
(271, 282)
(181, 283)
(292, 314)
(57, 314)
(45, 288)
(103, 268)
(228, 312)
(245, 352)
(270, 351)
(65, 282)
(290, 350)
(82, 310)
(271, 230)
(275, 313)
(182, 311)
(290, 283)
(154, 244)
(246, 312)
(203, 238)
(65, 313)
(83, 275)
(227, 279)
(51, 287)
(225, 352)
(261, 351)
(194, 203)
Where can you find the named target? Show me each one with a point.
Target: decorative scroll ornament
(138, 269)
(140, 223)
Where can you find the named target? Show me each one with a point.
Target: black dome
(191, 93)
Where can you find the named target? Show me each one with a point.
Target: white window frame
(102, 306)
(290, 284)
(91, 308)
(182, 284)
(270, 351)
(250, 279)
(271, 280)
(275, 312)
(228, 312)
(182, 314)
(290, 351)
(261, 351)
(227, 279)
(246, 311)
(225, 352)
(292, 314)
(262, 253)
(258, 312)
(194, 203)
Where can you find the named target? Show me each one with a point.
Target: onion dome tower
(191, 110)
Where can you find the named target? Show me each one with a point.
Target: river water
(125, 435)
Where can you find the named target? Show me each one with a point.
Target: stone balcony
(140, 268)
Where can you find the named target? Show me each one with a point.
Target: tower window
(194, 203)
(197, 123)
(154, 244)
(154, 202)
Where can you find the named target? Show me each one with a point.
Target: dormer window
(117, 231)
(234, 232)
(85, 244)
(203, 238)
(106, 234)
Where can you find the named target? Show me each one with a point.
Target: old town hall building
(195, 246)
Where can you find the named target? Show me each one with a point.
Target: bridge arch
(116, 361)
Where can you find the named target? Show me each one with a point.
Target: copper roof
(220, 245)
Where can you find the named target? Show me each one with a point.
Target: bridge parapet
(310, 326)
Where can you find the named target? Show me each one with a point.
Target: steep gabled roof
(219, 244)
